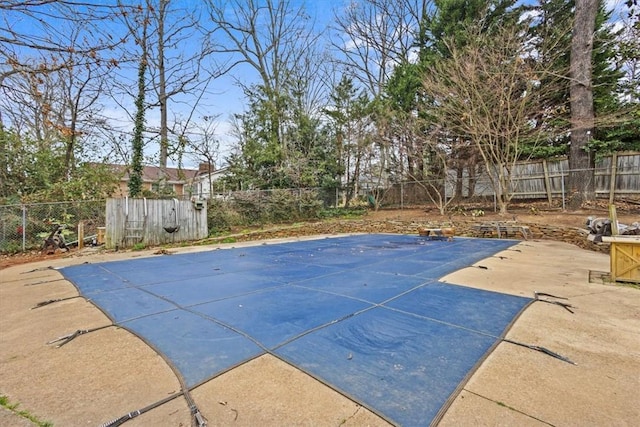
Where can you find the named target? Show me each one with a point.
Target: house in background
(178, 181)
(204, 184)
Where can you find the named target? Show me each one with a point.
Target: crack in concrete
(351, 416)
(508, 407)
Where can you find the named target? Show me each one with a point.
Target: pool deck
(106, 374)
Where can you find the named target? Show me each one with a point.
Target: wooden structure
(438, 233)
(151, 222)
(625, 258)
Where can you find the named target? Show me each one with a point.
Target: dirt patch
(7, 260)
(536, 213)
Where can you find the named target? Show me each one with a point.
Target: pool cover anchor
(564, 305)
(197, 419)
(542, 350)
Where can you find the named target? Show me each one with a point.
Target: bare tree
(60, 107)
(175, 69)
(273, 38)
(581, 161)
(203, 145)
(374, 36)
(32, 30)
(176, 81)
(375, 41)
(487, 93)
(137, 142)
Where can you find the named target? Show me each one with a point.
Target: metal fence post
(24, 228)
(562, 186)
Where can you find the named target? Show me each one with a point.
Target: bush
(310, 205)
(258, 207)
(249, 206)
(221, 217)
(282, 206)
(10, 247)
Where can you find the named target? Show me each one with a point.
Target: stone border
(572, 235)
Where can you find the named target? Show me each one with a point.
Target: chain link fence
(25, 227)
(531, 181)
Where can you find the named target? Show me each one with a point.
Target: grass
(139, 247)
(13, 407)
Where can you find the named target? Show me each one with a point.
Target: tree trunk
(162, 91)
(459, 181)
(581, 162)
(137, 145)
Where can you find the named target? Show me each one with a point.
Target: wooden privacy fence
(614, 175)
(151, 222)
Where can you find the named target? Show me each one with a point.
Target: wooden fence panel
(529, 180)
(627, 176)
(149, 222)
(614, 175)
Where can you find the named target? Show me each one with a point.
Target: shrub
(310, 205)
(221, 217)
(250, 206)
(139, 247)
(10, 247)
(282, 206)
(259, 207)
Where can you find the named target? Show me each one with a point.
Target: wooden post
(612, 177)
(80, 235)
(547, 183)
(613, 216)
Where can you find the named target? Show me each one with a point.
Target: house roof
(154, 174)
(210, 175)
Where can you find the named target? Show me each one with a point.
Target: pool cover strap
(65, 339)
(197, 419)
(38, 269)
(541, 349)
(564, 305)
(133, 414)
(51, 301)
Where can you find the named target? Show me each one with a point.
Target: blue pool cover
(364, 314)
